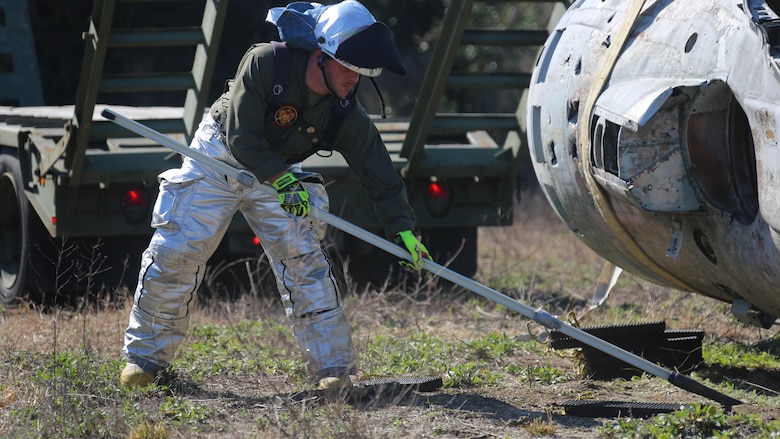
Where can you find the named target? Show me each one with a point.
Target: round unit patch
(285, 116)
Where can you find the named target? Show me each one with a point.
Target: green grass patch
(183, 412)
(417, 354)
(696, 421)
(482, 362)
(246, 348)
(730, 354)
(64, 387)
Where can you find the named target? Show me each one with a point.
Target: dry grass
(537, 260)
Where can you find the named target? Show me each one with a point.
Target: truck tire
(15, 235)
(44, 269)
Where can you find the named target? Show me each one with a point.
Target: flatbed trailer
(68, 174)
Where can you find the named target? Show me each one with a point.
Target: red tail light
(438, 198)
(437, 191)
(135, 197)
(135, 205)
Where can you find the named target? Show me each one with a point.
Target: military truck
(76, 190)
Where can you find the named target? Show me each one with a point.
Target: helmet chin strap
(321, 65)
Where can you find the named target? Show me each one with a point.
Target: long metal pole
(539, 315)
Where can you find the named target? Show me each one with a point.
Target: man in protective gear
(327, 50)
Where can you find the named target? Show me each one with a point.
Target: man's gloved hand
(293, 196)
(407, 240)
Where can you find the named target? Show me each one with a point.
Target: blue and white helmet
(345, 31)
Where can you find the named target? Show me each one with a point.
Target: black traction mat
(417, 384)
(375, 389)
(675, 349)
(614, 409)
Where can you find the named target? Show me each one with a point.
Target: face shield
(348, 33)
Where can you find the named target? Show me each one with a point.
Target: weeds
(183, 413)
(541, 426)
(239, 373)
(732, 354)
(696, 421)
(151, 431)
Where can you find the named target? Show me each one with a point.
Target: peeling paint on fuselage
(683, 141)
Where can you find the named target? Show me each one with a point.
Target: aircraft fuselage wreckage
(653, 131)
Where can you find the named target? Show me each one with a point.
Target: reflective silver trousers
(193, 209)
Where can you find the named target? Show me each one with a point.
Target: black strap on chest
(321, 139)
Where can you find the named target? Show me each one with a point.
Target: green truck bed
(70, 174)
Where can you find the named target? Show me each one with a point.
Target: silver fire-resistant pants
(191, 214)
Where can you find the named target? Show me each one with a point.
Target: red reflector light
(437, 191)
(255, 240)
(438, 198)
(134, 197)
(135, 205)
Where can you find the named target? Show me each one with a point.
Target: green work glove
(293, 196)
(407, 240)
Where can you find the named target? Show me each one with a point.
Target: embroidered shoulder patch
(285, 116)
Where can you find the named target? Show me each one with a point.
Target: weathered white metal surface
(683, 141)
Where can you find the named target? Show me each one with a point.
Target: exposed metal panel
(633, 103)
(699, 83)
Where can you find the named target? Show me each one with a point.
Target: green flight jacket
(267, 149)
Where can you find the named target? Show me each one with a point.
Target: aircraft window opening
(703, 243)
(573, 147)
(721, 153)
(605, 146)
(536, 132)
(572, 110)
(597, 151)
(553, 158)
(543, 63)
(743, 158)
(612, 133)
(772, 32)
(691, 42)
(766, 15)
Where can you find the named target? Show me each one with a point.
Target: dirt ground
(518, 409)
(514, 409)
(264, 405)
